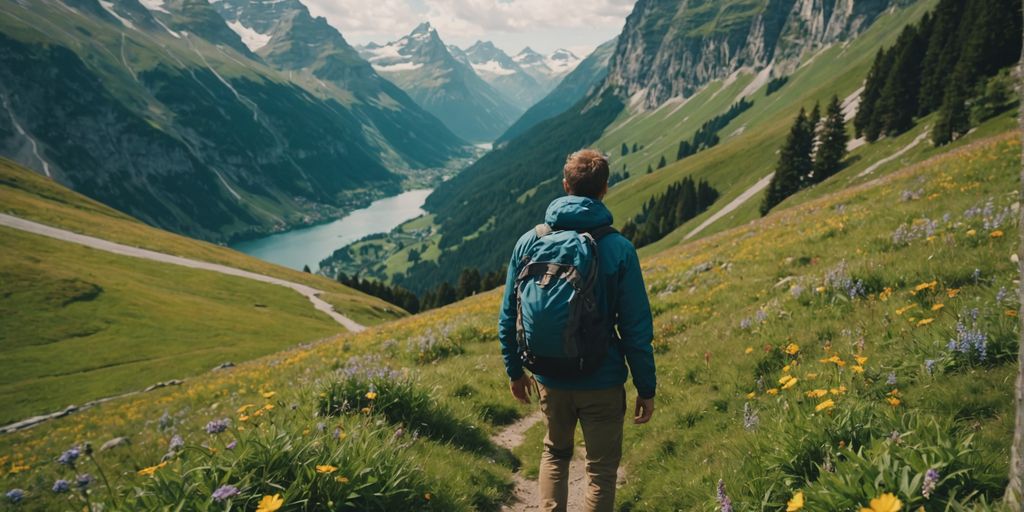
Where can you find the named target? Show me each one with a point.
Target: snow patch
(493, 67)
(852, 103)
(155, 5)
(252, 39)
(168, 29)
(109, 7)
(400, 66)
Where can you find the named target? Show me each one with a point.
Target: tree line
(663, 213)
(941, 64)
(813, 151)
(471, 281)
(707, 135)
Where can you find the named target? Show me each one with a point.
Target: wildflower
(61, 486)
(723, 499)
(929, 365)
(860, 360)
(953, 292)
(69, 457)
(15, 495)
(893, 401)
(371, 395)
(749, 350)
(817, 393)
(857, 368)
(785, 379)
(796, 502)
(83, 480)
(885, 294)
(150, 471)
(232, 445)
(931, 478)
(427, 496)
(176, 443)
(270, 503)
(885, 503)
(824, 405)
(750, 419)
(906, 308)
(785, 369)
(925, 286)
(217, 426)
(938, 306)
(925, 321)
(792, 349)
(971, 232)
(1001, 295)
(996, 234)
(268, 407)
(1012, 313)
(165, 421)
(752, 394)
(326, 469)
(246, 407)
(772, 391)
(341, 479)
(790, 383)
(891, 379)
(365, 410)
(269, 394)
(838, 391)
(224, 493)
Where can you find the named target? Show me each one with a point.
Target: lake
(307, 246)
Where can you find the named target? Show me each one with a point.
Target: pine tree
(634, 147)
(794, 163)
(469, 283)
(869, 97)
(684, 150)
(649, 169)
(832, 140)
(305, 268)
(898, 102)
(940, 56)
(624, 150)
(954, 119)
(662, 162)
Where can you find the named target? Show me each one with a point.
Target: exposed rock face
(671, 48)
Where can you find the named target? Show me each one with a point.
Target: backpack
(560, 331)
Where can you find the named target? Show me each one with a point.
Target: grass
(30, 196)
(796, 267)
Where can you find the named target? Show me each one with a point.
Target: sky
(544, 25)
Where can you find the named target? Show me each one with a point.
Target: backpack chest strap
(546, 271)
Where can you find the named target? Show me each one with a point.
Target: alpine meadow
(824, 196)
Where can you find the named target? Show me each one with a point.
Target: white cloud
(511, 24)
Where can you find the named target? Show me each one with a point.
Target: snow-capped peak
(252, 39)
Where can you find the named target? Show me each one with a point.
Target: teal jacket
(621, 293)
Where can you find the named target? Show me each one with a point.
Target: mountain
(445, 85)
(547, 70)
(499, 70)
(165, 112)
(675, 66)
(572, 88)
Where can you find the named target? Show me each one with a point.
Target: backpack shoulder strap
(542, 230)
(601, 232)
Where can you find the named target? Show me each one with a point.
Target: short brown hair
(586, 173)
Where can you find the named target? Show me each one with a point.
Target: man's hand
(522, 388)
(643, 411)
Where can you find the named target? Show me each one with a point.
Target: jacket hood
(577, 212)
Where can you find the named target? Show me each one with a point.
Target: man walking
(575, 313)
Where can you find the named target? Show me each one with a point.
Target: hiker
(575, 313)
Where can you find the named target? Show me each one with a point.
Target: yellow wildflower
(838, 391)
(925, 286)
(820, 289)
(752, 394)
(885, 294)
(371, 395)
(245, 407)
(365, 410)
(925, 321)
(953, 292)
(326, 469)
(150, 471)
(817, 393)
(243, 418)
(971, 232)
(1012, 313)
(824, 405)
(792, 349)
(860, 360)
(811, 376)
(749, 350)
(268, 407)
(885, 503)
(790, 383)
(893, 401)
(785, 379)
(785, 369)
(269, 394)
(796, 502)
(341, 479)
(772, 391)
(996, 234)
(857, 368)
(938, 306)
(270, 503)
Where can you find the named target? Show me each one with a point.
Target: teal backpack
(560, 330)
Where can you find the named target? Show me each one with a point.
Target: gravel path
(309, 292)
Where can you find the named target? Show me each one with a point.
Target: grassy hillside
(81, 324)
(806, 352)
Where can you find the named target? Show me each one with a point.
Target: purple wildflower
(69, 457)
(1001, 295)
(761, 315)
(232, 445)
(723, 499)
(224, 493)
(746, 323)
(165, 421)
(750, 419)
(61, 486)
(83, 480)
(176, 444)
(891, 379)
(15, 495)
(931, 479)
(929, 365)
(217, 426)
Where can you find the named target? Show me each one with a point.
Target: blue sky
(544, 25)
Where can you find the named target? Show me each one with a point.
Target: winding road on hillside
(309, 292)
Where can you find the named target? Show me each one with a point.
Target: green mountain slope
(167, 115)
(804, 352)
(81, 324)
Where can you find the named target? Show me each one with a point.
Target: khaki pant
(600, 413)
